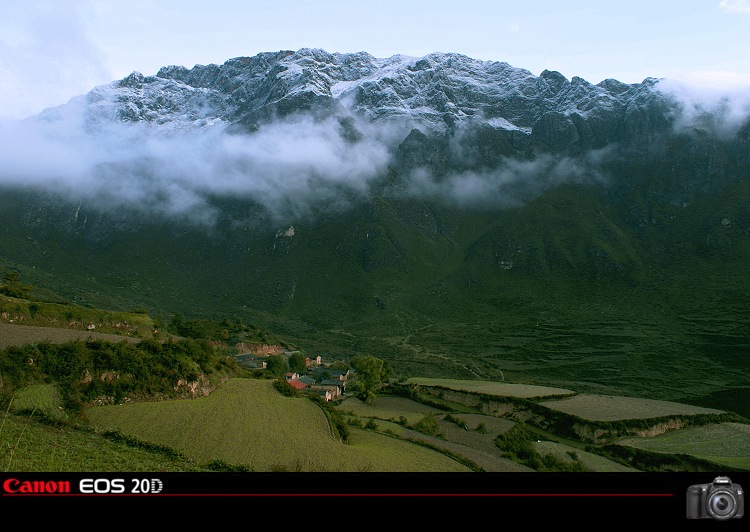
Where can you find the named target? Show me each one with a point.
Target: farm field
(246, 422)
(386, 408)
(11, 334)
(466, 435)
(613, 408)
(484, 457)
(492, 387)
(723, 443)
(592, 462)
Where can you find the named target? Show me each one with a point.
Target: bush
(285, 389)
(427, 425)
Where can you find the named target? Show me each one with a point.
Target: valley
(418, 424)
(457, 219)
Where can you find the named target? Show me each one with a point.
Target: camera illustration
(719, 500)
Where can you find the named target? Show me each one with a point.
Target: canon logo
(13, 485)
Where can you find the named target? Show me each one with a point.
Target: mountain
(460, 217)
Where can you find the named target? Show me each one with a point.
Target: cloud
(513, 182)
(290, 168)
(715, 107)
(735, 6)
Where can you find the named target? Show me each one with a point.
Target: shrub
(285, 389)
(427, 425)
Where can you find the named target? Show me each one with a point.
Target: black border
(618, 498)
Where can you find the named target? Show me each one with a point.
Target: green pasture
(26, 445)
(612, 408)
(38, 398)
(491, 387)
(723, 443)
(247, 422)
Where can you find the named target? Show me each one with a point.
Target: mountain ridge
(438, 88)
(459, 215)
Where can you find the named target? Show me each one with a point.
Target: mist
(289, 168)
(719, 110)
(513, 183)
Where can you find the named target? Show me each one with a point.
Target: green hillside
(577, 286)
(245, 422)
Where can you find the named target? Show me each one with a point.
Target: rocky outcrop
(201, 387)
(259, 349)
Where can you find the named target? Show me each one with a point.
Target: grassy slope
(246, 422)
(26, 445)
(669, 320)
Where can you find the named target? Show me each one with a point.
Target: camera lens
(722, 505)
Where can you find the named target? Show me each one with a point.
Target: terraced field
(11, 334)
(612, 408)
(492, 387)
(468, 436)
(591, 461)
(723, 443)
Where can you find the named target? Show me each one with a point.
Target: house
(308, 380)
(297, 384)
(335, 383)
(326, 395)
(251, 361)
(291, 376)
(333, 389)
(340, 374)
(317, 361)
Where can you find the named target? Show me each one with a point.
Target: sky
(52, 50)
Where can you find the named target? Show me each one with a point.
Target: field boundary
(529, 410)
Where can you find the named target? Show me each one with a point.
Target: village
(317, 379)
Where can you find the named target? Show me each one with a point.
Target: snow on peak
(437, 90)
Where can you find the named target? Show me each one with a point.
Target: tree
(13, 287)
(277, 365)
(371, 372)
(297, 362)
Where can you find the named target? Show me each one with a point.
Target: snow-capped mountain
(437, 92)
(440, 93)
